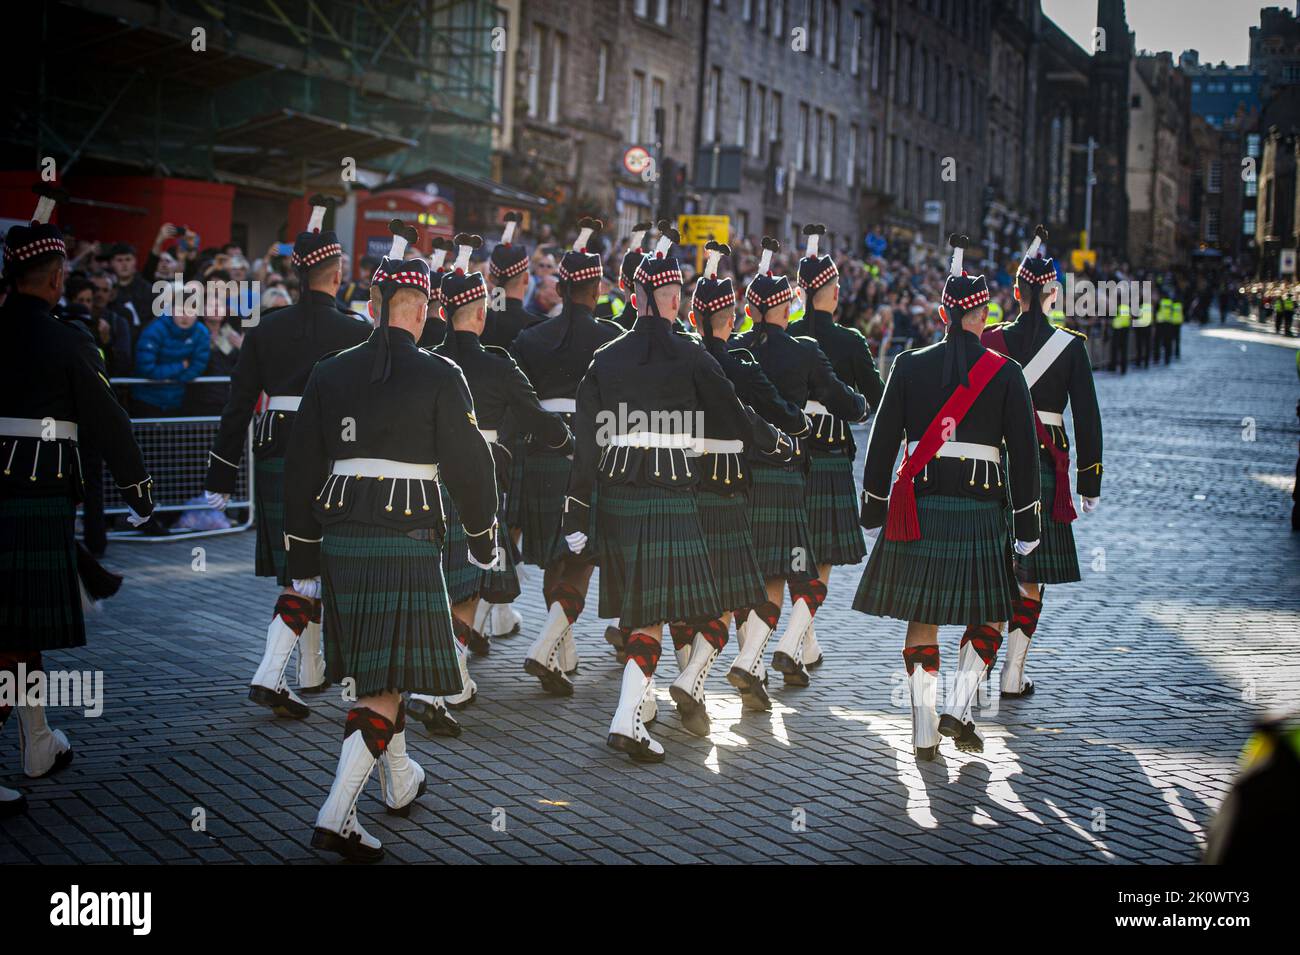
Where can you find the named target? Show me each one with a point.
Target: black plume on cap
(771, 243)
(407, 232)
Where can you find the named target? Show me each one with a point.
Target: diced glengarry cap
(1036, 268)
(460, 286)
(766, 290)
(661, 267)
(961, 292)
(713, 294)
(316, 244)
(394, 270)
(580, 264)
(509, 258)
(636, 251)
(437, 267)
(816, 270)
(25, 243)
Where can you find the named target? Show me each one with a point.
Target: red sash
(902, 524)
(1063, 501)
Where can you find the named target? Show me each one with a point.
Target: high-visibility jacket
(995, 314)
(1165, 313)
(615, 303)
(1144, 316)
(1176, 314)
(1057, 317)
(1123, 318)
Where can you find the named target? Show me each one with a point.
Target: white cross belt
(489, 435)
(651, 439)
(560, 405)
(39, 428)
(283, 402)
(815, 407)
(719, 446)
(1052, 417)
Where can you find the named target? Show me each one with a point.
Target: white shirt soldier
(381, 425)
(946, 555)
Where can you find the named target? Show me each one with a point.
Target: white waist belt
(489, 435)
(651, 439)
(815, 407)
(963, 449)
(1052, 417)
(37, 428)
(383, 468)
(719, 446)
(283, 402)
(561, 405)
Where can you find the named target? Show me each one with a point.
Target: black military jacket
(422, 414)
(1067, 380)
(503, 397)
(801, 372)
(756, 392)
(1001, 414)
(556, 352)
(53, 370)
(277, 357)
(652, 380)
(501, 328)
(850, 357)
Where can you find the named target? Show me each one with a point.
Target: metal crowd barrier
(176, 456)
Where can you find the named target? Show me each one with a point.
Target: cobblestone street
(1187, 622)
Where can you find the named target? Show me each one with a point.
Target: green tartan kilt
(832, 499)
(546, 481)
(387, 622)
(40, 596)
(725, 520)
(653, 558)
(779, 522)
(464, 580)
(1056, 559)
(518, 456)
(959, 572)
(268, 504)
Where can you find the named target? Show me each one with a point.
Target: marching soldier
(498, 389)
(639, 413)
(724, 483)
(554, 355)
(783, 537)
(380, 426)
(507, 317)
(945, 557)
(832, 494)
(54, 396)
(277, 356)
(435, 327)
(632, 258)
(1057, 370)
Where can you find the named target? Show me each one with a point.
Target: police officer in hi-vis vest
(1142, 331)
(1119, 326)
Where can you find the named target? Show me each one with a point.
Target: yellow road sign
(1079, 258)
(697, 230)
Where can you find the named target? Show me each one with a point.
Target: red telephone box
(431, 214)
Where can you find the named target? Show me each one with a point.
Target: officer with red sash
(946, 556)
(1055, 361)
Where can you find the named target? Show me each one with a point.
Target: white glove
(1090, 504)
(1025, 548)
(217, 500)
(134, 519)
(576, 541)
(309, 588)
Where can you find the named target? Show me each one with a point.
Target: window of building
(903, 77)
(774, 131)
(1214, 177)
(828, 147)
(816, 10)
(654, 119)
(536, 43)
(801, 144)
(833, 33)
(742, 115)
(870, 160)
(1211, 225)
(602, 72)
(714, 84)
(556, 77)
(760, 21)
(747, 10)
(499, 74)
(778, 18)
(661, 12)
(757, 115)
(641, 8)
(816, 133)
(636, 98)
(1248, 222)
(1253, 145)
(851, 158)
(1252, 188)
(855, 51)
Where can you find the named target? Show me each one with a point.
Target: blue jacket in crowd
(159, 353)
